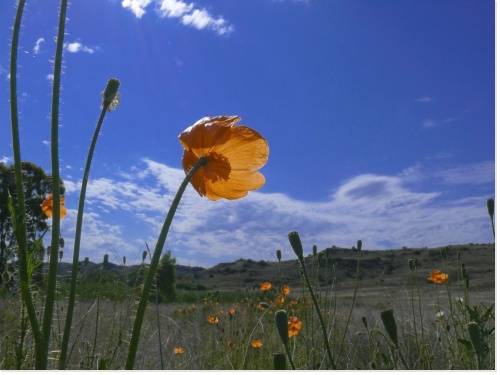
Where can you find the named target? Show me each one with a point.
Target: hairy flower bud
(282, 324)
(390, 325)
(296, 244)
(110, 96)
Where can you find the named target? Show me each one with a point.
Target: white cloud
(189, 14)
(136, 6)
(50, 77)
(6, 160)
(129, 209)
(38, 44)
(424, 99)
(78, 47)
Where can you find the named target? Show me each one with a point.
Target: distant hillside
(382, 271)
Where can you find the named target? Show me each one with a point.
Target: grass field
(217, 328)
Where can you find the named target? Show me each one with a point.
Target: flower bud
(105, 261)
(296, 244)
(110, 96)
(475, 336)
(279, 361)
(411, 264)
(360, 244)
(282, 324)
(278, 254)
(491, 207)
(390, 325)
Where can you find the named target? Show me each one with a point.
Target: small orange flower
(280, 300)
(265, 286)
(234, 154)
(230, 344)
(438, 277)
(256, 344)
(294, 326)
(285, 289)
(179, 350)
(212, 319)
(48, 206)
(232, 311)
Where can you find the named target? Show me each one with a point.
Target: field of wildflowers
(47, 326)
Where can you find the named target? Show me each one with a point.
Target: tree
(37, 185)
(165, 277)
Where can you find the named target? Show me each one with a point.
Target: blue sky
(380, 118)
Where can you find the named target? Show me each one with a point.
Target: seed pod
(278, 254)
(411, 264)
(105, 261)
(279, 361)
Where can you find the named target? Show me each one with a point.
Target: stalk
(56, 191)
(353, 299)
(296, 244)
(148, 282)
(108, 98)
(19, 216)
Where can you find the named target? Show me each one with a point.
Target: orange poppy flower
(285, 289)
(256, 344)
(265, 286)
(438, 277)
(48, 206)
(294, 326)
(234, 154)
(280, 300)
(212, 319)
(230, 344)
(232, 311)
(179, 350)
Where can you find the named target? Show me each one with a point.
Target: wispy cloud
(128, 210)
(38, 46)
(189, 14)
(76, 47)
(431, 123)
(424, 99)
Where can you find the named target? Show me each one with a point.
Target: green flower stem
(56, 191)
(148, 282)
(76, 251)
(296, 244)
(18, 220)
(353, 298)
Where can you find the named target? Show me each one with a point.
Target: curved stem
(352, 305)
(318, 311)
(76, 250)
(148, 282)
(18, 220)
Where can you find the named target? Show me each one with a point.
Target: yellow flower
(179, 350)
(438, 277)
(234, 154)
(48, 206)
(294, 326)
(212, 319)
(265, 286)
(256, 344)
